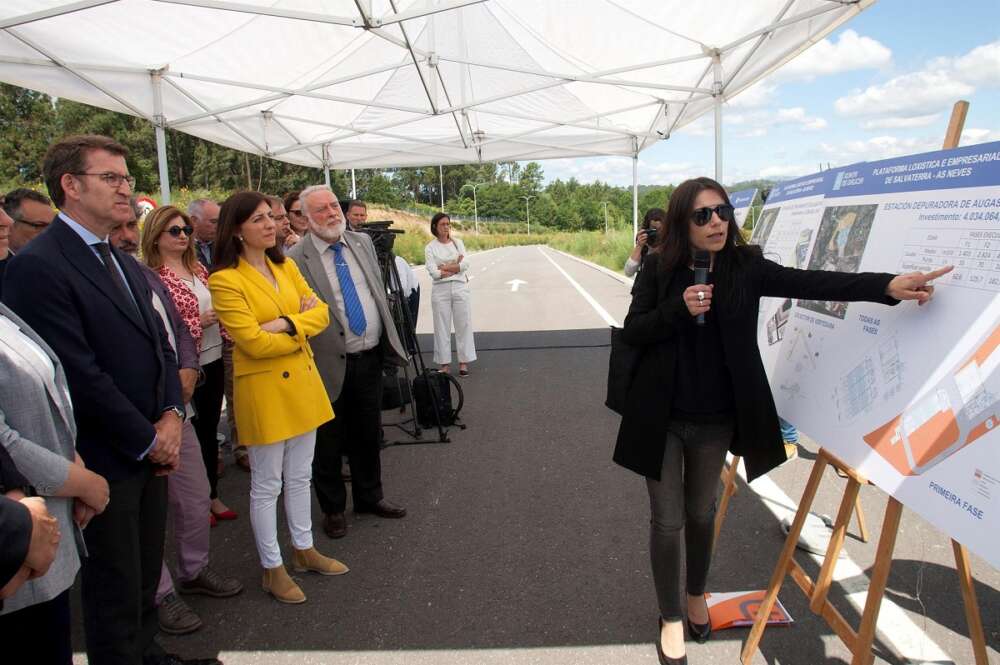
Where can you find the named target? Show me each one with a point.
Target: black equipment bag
(434, 384)
(622, 364)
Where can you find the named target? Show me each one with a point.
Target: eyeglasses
(702, 216)
(113, 180)
(297, 213)
(176, 231)
(279, 218)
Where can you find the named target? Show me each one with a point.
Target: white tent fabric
(380, 83)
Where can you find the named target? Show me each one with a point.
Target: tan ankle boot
(282, 587)
(310, 559)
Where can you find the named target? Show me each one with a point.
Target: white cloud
(618, 170)
(876, 148)
(759, 94)
(754, 124)
(929, 90)
(972, 136)
(850, 52)
(787, 171)
(896, 122)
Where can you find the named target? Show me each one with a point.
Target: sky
(881, 85)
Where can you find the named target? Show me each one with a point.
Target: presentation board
(742, 200)
(908, 395)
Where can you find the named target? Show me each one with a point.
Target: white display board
(742, 200)
(908, 395)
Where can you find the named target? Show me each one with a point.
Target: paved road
(526, 545)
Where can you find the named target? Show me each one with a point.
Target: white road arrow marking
(515, 284)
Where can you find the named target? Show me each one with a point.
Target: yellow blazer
(277, 390)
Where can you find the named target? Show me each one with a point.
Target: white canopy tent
(389, 83)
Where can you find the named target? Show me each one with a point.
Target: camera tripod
(406, 328)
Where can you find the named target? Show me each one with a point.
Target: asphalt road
(525, 544)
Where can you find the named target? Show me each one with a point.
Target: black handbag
(622, 364)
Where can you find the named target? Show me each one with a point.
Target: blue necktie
(352, 304)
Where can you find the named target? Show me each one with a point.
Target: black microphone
(702, 261)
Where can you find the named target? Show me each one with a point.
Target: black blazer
(121, 371)
(652, 322)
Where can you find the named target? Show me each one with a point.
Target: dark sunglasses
(176, 231)
(702, 216)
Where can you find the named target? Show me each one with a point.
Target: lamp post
(605, 217)
(475, 201)
(527, 211)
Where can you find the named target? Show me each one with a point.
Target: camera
(382, 237)
(651, 236)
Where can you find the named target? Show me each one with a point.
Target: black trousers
(684, 500)
(120, 575)
(38, 634)
(354, 432)
(207, 401)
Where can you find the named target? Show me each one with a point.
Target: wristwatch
(176, 411)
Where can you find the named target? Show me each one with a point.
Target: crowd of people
(119, 346)
(121, 341)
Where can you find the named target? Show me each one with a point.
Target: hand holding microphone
(702, 290)
(698, 299)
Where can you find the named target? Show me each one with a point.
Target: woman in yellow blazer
(279, 399)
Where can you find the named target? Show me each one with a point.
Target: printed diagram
(799, 350)
(776, 323)
(959, 410)
(880, 372)
(764, 226)
(840, 244)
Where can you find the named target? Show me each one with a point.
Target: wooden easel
(728, 478)
(859, 642)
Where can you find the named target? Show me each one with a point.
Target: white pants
(451, 300)
(289, 460)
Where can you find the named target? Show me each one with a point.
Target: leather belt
(361, 354)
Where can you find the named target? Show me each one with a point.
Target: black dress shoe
(382, 508)
(335, 525)
(699, 632)
(664, 658)
(173, 659)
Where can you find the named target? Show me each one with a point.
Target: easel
(859, 642)
(728, 478)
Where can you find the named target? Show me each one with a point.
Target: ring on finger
(701, 296)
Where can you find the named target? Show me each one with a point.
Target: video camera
(382, 237)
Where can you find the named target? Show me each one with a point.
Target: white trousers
(451, 301)
(289, 461)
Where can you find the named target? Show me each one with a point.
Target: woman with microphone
(700, 342)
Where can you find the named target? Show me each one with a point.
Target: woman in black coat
(701, 390)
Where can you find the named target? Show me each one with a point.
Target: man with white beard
(341, 266)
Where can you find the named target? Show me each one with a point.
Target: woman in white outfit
(445, 260)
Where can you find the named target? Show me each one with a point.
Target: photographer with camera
(342, 267)
(652, 224)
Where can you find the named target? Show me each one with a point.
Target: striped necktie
(352, 304)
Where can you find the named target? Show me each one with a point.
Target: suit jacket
(330, 345)
(38, 430)
(652, 322)
(277, 390)
(121, 370)
(15, 522)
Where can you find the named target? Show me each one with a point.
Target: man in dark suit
(92, 305)
(342, 268)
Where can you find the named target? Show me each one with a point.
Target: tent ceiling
(379, 83)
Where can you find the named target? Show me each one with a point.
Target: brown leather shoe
(382, 508)
(335, 525)
(311, 560)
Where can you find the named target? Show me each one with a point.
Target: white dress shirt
(373, 331)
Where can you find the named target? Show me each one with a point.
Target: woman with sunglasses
(708, 382)
(168, 248)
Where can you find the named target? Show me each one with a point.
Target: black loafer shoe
(664, 658)
(699, 632)
(173, 659)
(335, 525)
(383, 509)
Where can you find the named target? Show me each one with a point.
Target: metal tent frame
(418, 83)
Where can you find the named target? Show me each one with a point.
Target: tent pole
(354, 186)
(441, 176)
(635, 189)
(717, 93)
(161, 136)
(326, 164)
